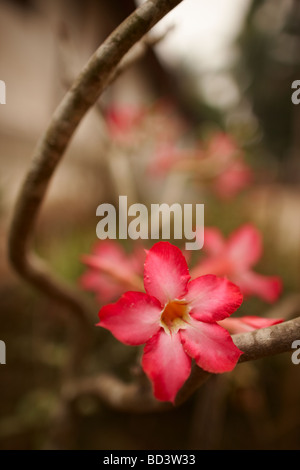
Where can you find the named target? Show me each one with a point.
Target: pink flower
(164, 123)
(233, 174)
(247, 323)
(111, 270)
(233, 180)
(219, 164)
(177, 319)
(168, 156)
(222, 146)
(235, 258)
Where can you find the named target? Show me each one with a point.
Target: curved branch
(83, 94)
(134, 398)
(255, 345)
(269, 341)
(121, 396)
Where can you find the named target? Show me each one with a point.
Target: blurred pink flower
(122, 122)
(247, 323)
(233, 180)
(164, 123)
(177, 319)
(234, 258)
(168, 156)
(219, 164)
(232, 174)
(222, 146)
(111, 271)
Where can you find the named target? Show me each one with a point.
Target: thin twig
(129, 397)
(137, 53)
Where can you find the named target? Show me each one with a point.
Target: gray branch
(138, 398)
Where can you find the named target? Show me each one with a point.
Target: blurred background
(217, 83)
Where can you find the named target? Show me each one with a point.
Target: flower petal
(133, 319)
(233, 180)
(109, 257)
(109, 249)
(122, 122)
(247, 323)
(166, 364)
(212, 298)
(217, 265)
(105, 287)
(214, 242)
(165, 157)
(244, 246)
(267, 288)
(166, 272)
(137, 259)
(223, 146)
(113, 265)
(211, 346)
(90, 280)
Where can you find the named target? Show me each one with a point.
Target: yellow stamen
(175, 316)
